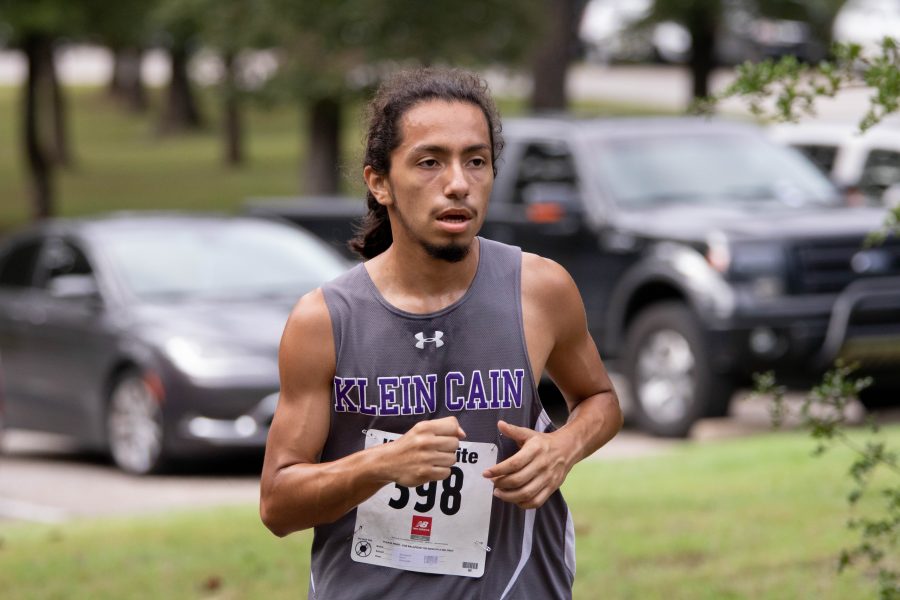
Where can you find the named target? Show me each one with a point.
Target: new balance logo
(436, 340)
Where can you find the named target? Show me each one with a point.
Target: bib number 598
(450, 498)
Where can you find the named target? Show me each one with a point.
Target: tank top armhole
(335, 316)
(521, 314)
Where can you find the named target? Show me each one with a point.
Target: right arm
(297, 491)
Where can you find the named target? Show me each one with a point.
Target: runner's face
(441, 177)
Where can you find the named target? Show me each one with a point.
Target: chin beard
(451, 252)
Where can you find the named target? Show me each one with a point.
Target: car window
(237, 259)
(880, 171)
(61, 258)
(715, 168)
(546, 174)
(821, 155)
(17, 267)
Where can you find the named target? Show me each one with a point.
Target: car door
(17, 320)
(71, 345)
(540, 208)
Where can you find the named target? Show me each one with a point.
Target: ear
(379, 186)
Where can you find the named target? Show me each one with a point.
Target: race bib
(439, 527)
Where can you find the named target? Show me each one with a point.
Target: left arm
(558, 340)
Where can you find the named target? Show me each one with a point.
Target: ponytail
(373, 234)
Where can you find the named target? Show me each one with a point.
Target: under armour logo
(423, 340)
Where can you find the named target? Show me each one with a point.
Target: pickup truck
(703, 251)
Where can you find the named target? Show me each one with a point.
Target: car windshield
(218, 260)
(722, 169)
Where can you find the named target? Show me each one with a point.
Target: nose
(457, 184)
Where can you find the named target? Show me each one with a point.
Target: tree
(230, 28)
(705, 21)
(124, 27)
(333, 53)
(37, 26)
(554, 53)
(796, 88)
(178, 28)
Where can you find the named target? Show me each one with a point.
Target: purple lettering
(452, 380)
(423, 393)
(387, 395)
(477, 399)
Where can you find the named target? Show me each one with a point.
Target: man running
(409, 432)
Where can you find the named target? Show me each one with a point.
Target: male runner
(409, 431)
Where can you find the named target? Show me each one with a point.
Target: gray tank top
(476, 349)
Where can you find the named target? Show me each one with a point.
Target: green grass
(753, 518)
(122, 164)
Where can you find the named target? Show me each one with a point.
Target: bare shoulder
(306, 354)
(310, 311)
(547, 284)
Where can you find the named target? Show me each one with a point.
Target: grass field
(753, 518)
(121, 164)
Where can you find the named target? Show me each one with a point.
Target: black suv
(704, 253)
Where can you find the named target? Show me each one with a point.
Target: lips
(454, 220)
(455, 215)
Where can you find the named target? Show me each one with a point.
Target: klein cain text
(417, 394)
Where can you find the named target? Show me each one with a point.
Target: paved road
(44, 478)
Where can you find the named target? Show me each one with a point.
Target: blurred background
(174, 174)
(187, 104)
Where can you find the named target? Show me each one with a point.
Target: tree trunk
(37, 158)
(62, 154)
(114, 87)
(556, 51)
(126, 84)
(323, 156)
(181, 112)
(231, 112)
(702, 27)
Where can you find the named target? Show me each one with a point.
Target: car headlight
(215, 361)
(760, 267)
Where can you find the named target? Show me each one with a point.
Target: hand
(424, 453)
(531, 475)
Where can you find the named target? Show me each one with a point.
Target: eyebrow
(444, 149)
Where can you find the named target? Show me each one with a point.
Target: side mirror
(75, 287)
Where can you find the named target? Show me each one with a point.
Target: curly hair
(394, 98)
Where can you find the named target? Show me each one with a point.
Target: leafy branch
(824, 414)
(796, 87)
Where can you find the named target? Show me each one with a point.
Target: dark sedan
(155, 335)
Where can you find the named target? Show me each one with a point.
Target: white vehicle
(867, 165)
(867, 22)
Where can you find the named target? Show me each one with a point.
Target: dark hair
(394, 98)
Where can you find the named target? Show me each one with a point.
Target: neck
(413, 280)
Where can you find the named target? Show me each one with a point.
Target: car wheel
(134, 425)
(669, 371)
